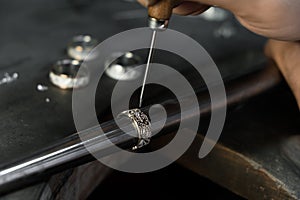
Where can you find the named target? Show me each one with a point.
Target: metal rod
(71, 151)
(147, 66)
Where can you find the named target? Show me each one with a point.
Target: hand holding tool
(160, 13)
(159, 16)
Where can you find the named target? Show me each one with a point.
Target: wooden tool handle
(162, 10)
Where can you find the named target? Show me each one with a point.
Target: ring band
(142, 125)
(65, 74)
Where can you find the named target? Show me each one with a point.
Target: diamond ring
(142, 125)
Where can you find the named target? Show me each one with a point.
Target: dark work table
(257, 156)
(35, 34)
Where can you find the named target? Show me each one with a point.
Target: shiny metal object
(147, 66)
(71, 151)
(65, 74)
(157, 24)
(142, 125)
(120, 66)
(215, 14)
(41, 88)
(81, 46)
(226, 31)
(8, 78)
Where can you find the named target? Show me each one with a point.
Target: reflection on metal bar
(71, 151)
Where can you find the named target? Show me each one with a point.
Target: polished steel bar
(71, 151)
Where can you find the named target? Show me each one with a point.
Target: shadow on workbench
(171, 182)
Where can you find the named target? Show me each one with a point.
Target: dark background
(35, 34)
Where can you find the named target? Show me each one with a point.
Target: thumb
(231, 5)
(147, 3)
(226, 4)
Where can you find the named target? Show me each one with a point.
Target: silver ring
(142, 125)
(65, 74)
(120, 66)
(81, 46)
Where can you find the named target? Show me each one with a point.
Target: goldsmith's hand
(277, 19)
(287, 57)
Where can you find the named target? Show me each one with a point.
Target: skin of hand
(287, 57)
(276, 19)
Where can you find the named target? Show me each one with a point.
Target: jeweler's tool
(159, 16)
(147, 67)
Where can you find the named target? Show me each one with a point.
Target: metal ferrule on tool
(159, 25)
